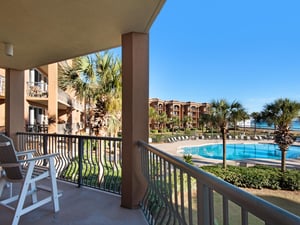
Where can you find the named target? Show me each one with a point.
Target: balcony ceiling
(43, 32)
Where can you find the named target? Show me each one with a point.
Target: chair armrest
(48, 156)
(21, 153)
(9, 165)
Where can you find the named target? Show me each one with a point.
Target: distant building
(245, 123)
(179, 110)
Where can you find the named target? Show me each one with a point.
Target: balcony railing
(40, 90)
(84, 160)
(77, 105)
(37, 128)
(37, 89)
(64, 97)
(179, 193)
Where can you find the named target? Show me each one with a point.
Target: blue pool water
(242, 151)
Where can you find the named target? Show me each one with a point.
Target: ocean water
(294, 126)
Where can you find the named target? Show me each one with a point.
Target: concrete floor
(79, 206)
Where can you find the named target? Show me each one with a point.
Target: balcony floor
(80, 206)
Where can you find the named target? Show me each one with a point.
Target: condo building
(179, 110)
(47, 108)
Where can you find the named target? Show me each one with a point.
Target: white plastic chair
(26, 172)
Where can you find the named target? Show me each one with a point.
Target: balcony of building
(37, 95)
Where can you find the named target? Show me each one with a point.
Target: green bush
(257, 177)
(188, 158)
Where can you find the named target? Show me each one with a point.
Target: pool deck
(174, 148)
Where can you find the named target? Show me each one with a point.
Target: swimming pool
(242, 151)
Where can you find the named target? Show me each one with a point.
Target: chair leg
(22, 196)
(10, 186)
(2, 184)
(53, 185)
(33, 189)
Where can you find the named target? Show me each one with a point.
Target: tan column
(135, 94)
(14, 102)
(52, 97)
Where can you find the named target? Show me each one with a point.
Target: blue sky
(244, 50)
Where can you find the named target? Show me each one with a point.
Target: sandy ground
(290, 195)
(288, 200)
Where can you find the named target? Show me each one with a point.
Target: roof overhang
(44, 32)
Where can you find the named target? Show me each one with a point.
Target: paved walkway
(174, 149)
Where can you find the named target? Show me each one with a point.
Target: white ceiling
(47, 31)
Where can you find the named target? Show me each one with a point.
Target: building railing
(67, 99)
(37, 128)
(77, 105)
(40, 90)
(37, 89)
(84, 160)
(179, 193)
(64, 97)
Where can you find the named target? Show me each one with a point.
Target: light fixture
(9, 49)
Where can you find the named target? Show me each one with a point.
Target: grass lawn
(288, 200)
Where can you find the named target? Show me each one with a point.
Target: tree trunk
(283, 164)
(235, 128)
(224, 148)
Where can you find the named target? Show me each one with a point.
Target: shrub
(188, 158)
(257, 177)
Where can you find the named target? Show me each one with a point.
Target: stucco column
(135, 94)
(52, 97)
(14, 102)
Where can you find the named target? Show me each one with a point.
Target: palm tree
(204, 121)
(221, 113)
(80, 76)
(97, 80)
(153, 117)
(237, 115)
(163, 119)
(257, 118)
(244, 116)
(109, 92)
(173, 122)
(281, 113)
(186, 122)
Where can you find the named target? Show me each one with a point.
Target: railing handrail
(71, 136)
(262, 209)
